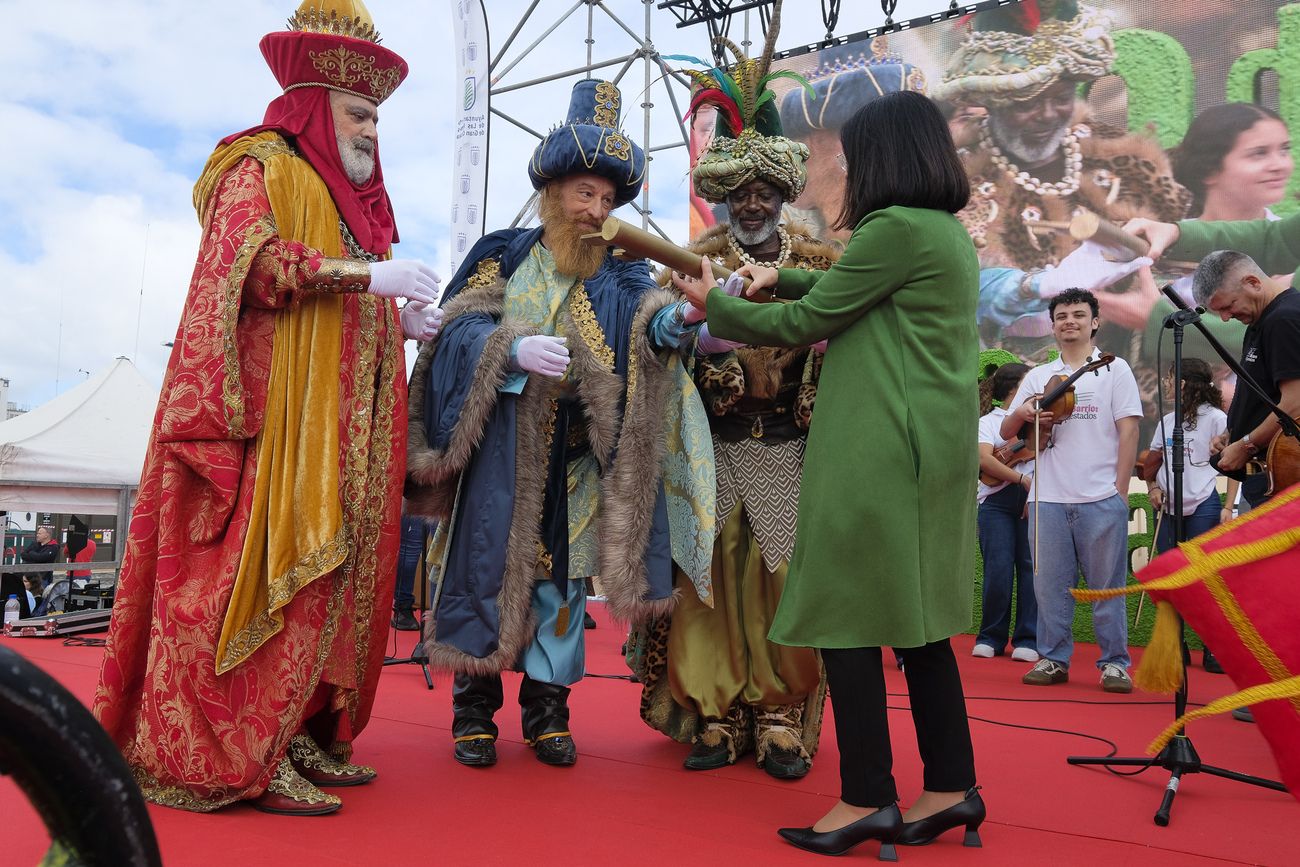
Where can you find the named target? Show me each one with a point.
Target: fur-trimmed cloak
(478, 457)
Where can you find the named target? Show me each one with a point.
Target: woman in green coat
(886, 535)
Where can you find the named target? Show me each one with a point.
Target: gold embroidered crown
(354, 21)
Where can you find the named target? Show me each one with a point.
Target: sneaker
(1024, 654)
(983, 651)
(1115, 679)
(1046, 673)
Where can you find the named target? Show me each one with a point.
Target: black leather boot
(544, 712)
(474, 700)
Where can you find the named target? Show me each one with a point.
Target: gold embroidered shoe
(290, 795)
(321, 769)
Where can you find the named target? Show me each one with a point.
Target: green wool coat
(885, 546)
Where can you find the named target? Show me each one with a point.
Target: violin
(1058, 399)
(1148, 464)
(1280, 462)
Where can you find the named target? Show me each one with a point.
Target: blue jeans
(414, 537)
(1092, 537)
(1008, 560)
(1205, 517)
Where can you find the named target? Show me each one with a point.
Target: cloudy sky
(114, 105)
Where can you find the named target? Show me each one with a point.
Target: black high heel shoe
(970, 812)
(882, 825)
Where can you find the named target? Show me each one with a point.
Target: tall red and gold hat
(333, 44)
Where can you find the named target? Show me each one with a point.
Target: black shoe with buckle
(476, 751)
(556, 749)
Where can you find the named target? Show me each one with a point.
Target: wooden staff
(1087, 226)
(631, 242)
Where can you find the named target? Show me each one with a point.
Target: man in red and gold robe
(253, 605)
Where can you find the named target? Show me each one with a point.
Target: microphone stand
(1179, 756)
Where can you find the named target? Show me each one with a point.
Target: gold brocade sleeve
(340, 275)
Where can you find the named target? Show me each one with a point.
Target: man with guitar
(1078, 506)
(1231, 285)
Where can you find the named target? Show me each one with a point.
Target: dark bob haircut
(899, 151)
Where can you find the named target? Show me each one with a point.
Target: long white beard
(1011, 141)
(759, 235)
(358, 157)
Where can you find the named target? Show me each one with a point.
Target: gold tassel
(1161, 668)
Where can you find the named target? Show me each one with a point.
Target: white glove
(421, 321)
(404, 278)
(542, 354)
(1086, 268)
(733, 285)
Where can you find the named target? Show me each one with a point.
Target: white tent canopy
(81, 452)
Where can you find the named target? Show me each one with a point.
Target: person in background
(85, 555)
(43, 549)
(1079, 510)
(1203, 420)
(1004, 534)
(35, 598)
(886, 525)
(414, 537)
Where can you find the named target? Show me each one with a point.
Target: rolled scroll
(631, 242)
(1087, 226)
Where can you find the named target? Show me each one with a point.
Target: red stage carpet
(629, 802)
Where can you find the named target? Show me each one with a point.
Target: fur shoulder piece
(804, 244)
(433, 473)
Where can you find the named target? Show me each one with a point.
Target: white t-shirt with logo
(1078, 463)
(989, 426)
(1198, 476)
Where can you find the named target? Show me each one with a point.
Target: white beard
(358, 155)
(759, 235)
(1011, 141)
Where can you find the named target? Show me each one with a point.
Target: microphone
(1168, 291)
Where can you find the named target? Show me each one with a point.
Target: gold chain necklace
(781, 256)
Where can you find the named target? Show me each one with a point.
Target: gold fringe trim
(1284, 689)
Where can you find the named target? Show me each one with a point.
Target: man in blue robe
(556, 436)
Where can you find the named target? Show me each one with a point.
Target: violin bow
(1038, 434)
(1151, 553)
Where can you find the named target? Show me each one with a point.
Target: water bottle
(11, 609)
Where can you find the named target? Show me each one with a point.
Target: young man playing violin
(1078, 504)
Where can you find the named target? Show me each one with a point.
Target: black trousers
(856, 680)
